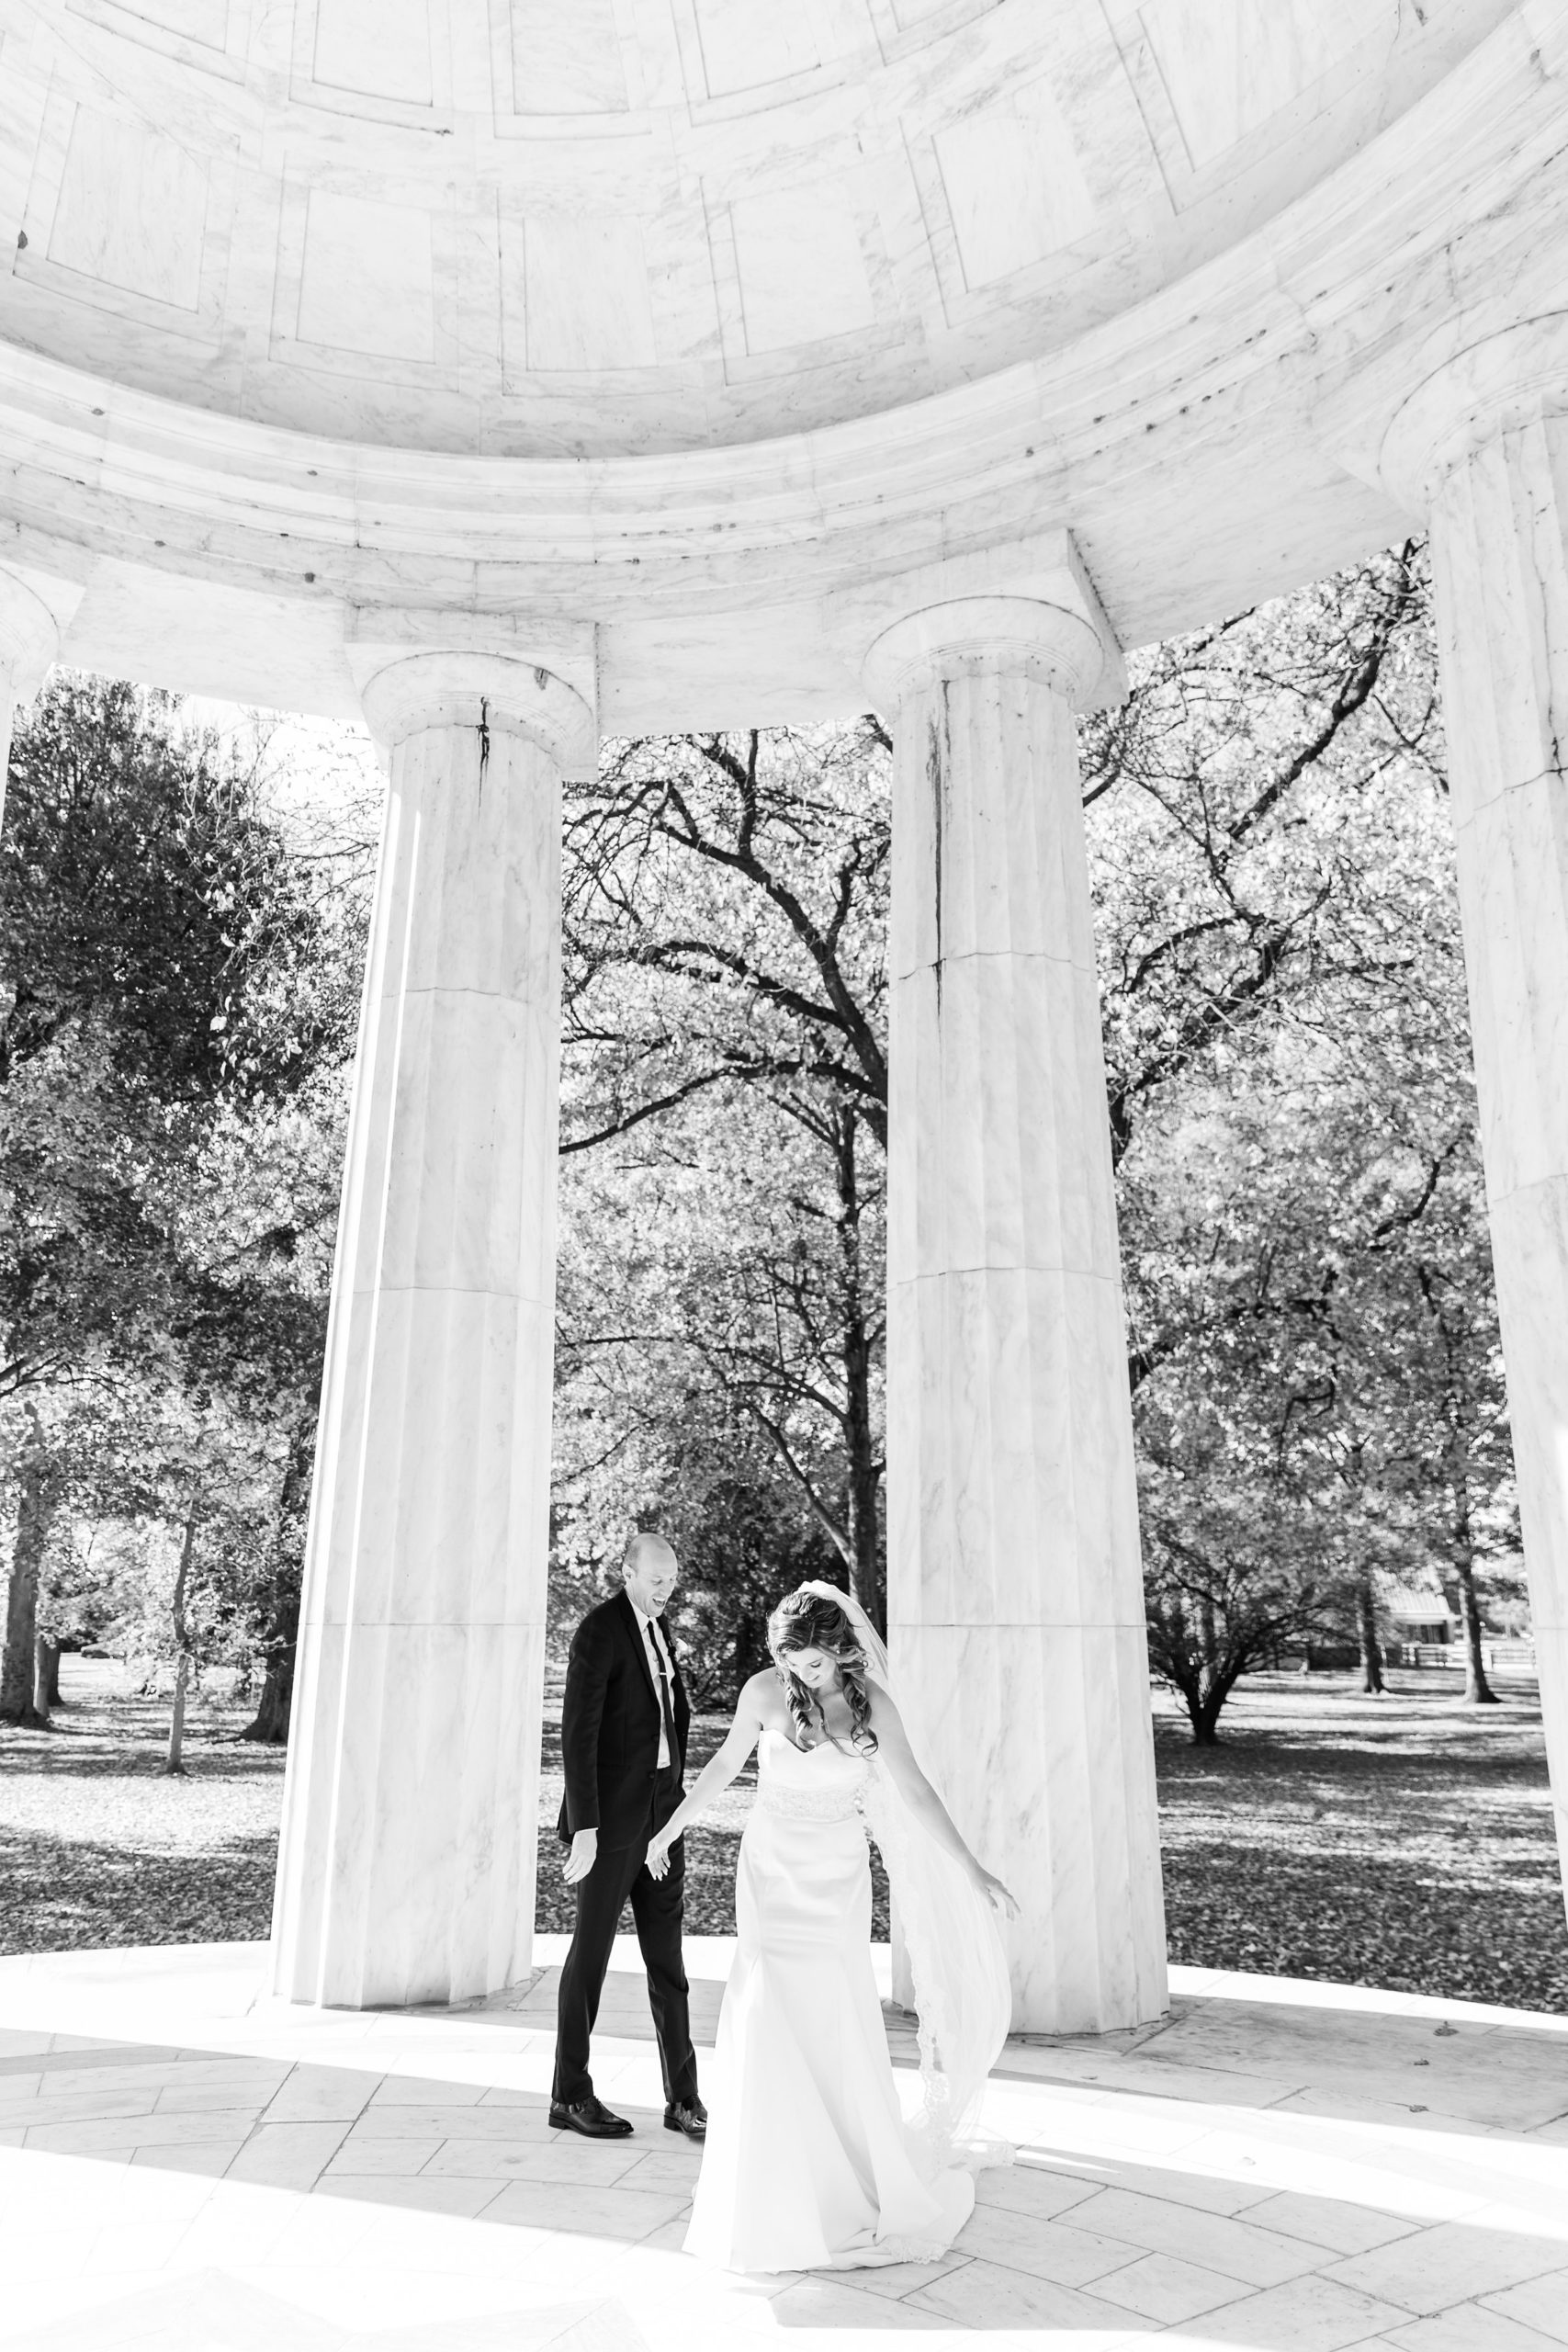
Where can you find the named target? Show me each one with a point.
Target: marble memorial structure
(505, 373)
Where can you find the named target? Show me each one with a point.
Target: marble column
(1015, 1597)
(30, 642)
(406, 1873)
(1483, 446)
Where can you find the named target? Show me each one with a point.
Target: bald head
(651, 1571)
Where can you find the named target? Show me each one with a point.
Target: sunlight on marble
(189, 2164)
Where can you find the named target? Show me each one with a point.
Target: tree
(726, 910)
(177, 999)
(37, 1470)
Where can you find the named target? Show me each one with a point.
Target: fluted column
(1483, 446)
(407, 1866)
(1015, 1599)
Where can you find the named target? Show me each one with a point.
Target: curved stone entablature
(1186, 428)
(529, 228)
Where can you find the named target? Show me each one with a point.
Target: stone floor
(186, 2166)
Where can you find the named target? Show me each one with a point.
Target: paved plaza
(189, 2166)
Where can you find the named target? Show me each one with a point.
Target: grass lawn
(1405, 1842)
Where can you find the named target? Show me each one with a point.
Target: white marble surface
(407, 1864)
(1285, 2167)
(1015, 1599)
(867, 185)
(675, 323)
(1500, 557)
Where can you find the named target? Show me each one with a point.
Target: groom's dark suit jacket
(610, 1727)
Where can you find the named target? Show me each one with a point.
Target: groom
(622, 1738)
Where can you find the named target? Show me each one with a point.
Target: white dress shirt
(653, 1643)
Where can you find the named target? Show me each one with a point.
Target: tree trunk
(46, 1676)
(269, 1725)
(1367, 1635)
(35, 1512)
(867, 1578)
(1478, 1691)
(174, 1763)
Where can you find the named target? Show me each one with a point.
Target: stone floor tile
(672, 2172)
(1187, 2183)
(1540, 2303)
(898, 2279)
(210, 2158)
(423, 2194)
(288, 2156)
(80, 2107)
(1037, 2189)
(823, 2302)
(396, 2159)
(1054, 2250)
(1469, 2328)
(1333, 2221)
(414, 2090)
(1162, 2287)
(195, 2067)
(1446, 2264)
(19, 2048)
(70, 2056)
(1215, 2241)
(1305, 2315)
(423, 2122)
(987, 2295)
(582, 2211)
(598, 2165)
(87, 2138)
(198, 2098)
(670, 2237)
(321, 2095)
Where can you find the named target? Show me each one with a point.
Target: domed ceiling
(567, 228)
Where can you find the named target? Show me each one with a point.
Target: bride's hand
(997, 1894)
(657, 1855)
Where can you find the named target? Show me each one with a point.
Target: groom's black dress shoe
(690, 2119)
(590, 2117)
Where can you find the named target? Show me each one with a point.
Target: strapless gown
(808, 2165)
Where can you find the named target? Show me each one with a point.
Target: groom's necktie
(672, 1744)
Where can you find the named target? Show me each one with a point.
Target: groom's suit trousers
(620, 1874)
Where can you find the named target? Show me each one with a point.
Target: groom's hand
(583, 1855)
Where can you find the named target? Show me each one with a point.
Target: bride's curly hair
(805, 1619)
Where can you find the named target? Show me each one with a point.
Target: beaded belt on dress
(808, 1805)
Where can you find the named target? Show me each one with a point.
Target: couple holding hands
(808, 2161)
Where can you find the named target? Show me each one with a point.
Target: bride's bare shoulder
(884, 1709)
(760, 1692)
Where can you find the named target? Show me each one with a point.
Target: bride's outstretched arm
(716, 1773)
(894, 1750)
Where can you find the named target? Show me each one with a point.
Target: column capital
(1027, 606)
(31, 628)
(1515, 377)
(536, 674)
(972, 635)
(1408, 423)
(415, 691)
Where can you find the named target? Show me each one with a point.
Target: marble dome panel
(584, 228)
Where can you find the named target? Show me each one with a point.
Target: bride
(808, 2162)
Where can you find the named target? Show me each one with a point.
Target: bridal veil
(957, 1958)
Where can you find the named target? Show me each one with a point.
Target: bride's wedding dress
(809, 2164)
